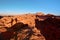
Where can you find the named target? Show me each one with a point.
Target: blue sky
(26, 6)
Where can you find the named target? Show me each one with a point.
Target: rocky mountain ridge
(9, 22)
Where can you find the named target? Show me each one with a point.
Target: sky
(29, 6)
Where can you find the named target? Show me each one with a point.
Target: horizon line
(19, 13)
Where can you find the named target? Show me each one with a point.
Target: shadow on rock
(1, 17)
(13, 31)
(50, 28)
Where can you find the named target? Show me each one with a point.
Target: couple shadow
(13, 32)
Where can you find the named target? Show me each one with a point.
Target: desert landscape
(36, 26)
(29, 19)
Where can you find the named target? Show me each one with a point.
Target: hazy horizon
(12, 7)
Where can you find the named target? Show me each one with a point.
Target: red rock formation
(22, 27)
(50, 28)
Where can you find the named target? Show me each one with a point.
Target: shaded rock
(49, 28)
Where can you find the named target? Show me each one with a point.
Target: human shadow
(13, 31)
(50, 28)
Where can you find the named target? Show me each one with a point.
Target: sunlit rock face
(25, 18)
(25, 27)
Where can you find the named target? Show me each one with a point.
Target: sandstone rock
(23, 27)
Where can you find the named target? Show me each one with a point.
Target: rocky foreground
(30, 27)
